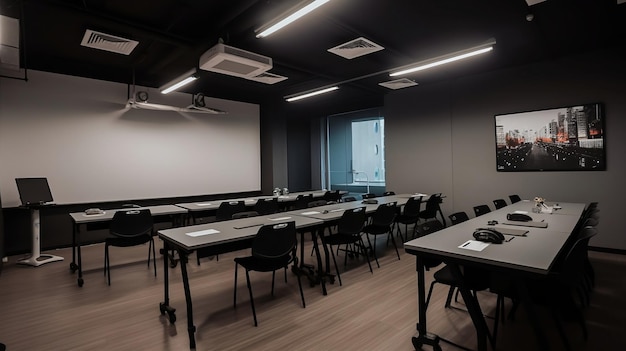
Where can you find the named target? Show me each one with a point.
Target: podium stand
(37, 259)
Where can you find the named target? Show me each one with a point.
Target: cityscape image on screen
(560, 139)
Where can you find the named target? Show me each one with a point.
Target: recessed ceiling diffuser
(398, 83)
(355, 48)
(108, 42)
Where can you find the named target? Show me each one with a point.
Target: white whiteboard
(78, 133)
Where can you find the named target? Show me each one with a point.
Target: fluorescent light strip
(292, 17)
(442, 62)
(313, 93)
(179, 84)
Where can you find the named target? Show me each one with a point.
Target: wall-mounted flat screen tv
(569, 138)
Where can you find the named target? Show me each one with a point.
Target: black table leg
(80, 260)
(184, 258)
(165, 305)
(423, 337)
(73, 265)
(522, 291)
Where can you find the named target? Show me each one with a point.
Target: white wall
(441, 138)
(78, 133)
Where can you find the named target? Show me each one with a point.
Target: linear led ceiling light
(289, 16)
(313, 93)
(441, 60)
(179, 82)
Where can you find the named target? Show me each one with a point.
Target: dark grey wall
(440, 138)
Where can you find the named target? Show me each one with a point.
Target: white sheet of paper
(279, 218)
(546, 209)
(522, 212)
(474, 245)
(337, 210)
(310, 213)
(203, 232)
(204, 204)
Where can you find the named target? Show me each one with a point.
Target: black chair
(409, 215)
(389, 193)
(368, 196)
(302, 201)
(332, 196)
(432, 208)
(514, 198)
(499, 203)
(348, 233)
(458, 217)
(273, 248)
(228, 208)
(481, 210)
(316, 203)
(349, 199)
(245, 214)
(129, 228)
(381, 224)
(266, 206)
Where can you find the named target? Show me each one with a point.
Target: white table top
(82, 217)
(534, 252)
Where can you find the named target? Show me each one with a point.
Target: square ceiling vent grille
(355, 48)
(108, 42)
(268, 78)
(398, 83)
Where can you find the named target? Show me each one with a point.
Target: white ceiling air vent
(234, 62)
(108, 42)
(355, 48)
(398, 83)
(268, 78)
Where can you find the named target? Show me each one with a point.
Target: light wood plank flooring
(43, 309)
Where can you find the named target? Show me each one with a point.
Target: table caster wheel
(81, 282)
(73, 267)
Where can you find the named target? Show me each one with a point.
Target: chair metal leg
(273, 279)
(373, 248)
(449, 298)
(336, 267)
(235, 289)
(301, 292)
(393, 241)
(251, 298)
(367, 257)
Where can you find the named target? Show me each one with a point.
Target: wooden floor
(43, 308)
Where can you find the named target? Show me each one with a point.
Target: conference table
(236, 234)
(98, 220)
(529, 253)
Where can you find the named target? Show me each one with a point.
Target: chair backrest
(275, 241)
(332, 195)
(302, 201)
(574, 261)
(429, 227)
(389, 193)
(266, 206)
(228, 208)
(432, 206)
(412, 206)
(245, 214)
(352, 221)
(385, 214)
(514, 198)
(316, 203)
(481, 210)
(499, 203)
(368, 196)
(458, 217)
(131, 223)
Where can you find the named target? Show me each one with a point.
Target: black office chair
(432, 208)
(266, 206)
(381, 224)
(409, 215)
(389, 193)
(129, 228)
(499, 203)
(348, 233)
(273, 248)
(228, 208)
(332, 196)
(481, 210)
(245, 214)
(514, 198)
(458, 217)
(302, 201)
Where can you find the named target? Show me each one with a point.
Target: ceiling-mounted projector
(234, 62)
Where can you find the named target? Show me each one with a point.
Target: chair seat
(127, 242)
(262, 265)
(376, 229)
